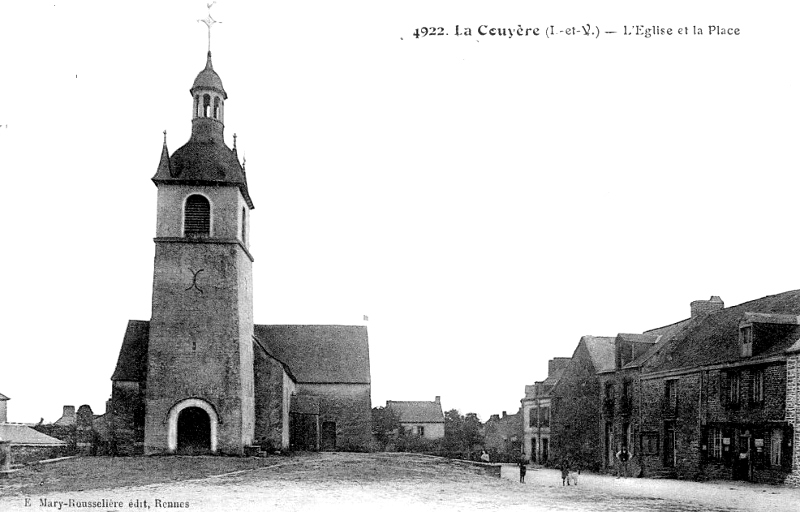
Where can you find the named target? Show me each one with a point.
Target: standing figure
(623, 456)
(564, 472)
(523, 468)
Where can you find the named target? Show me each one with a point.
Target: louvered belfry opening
(197, 216)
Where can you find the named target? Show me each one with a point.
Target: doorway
(327, 442)
(194, 431)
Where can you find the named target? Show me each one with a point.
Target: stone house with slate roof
(502, 437)
(575, 415)
(536, 409)
(714, 399)
(420, 418)
(27, 444)
(199, 376)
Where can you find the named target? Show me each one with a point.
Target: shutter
(197, 216)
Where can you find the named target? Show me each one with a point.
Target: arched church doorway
(194, 431)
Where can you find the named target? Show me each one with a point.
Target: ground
(349, 481)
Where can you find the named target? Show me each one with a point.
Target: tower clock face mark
(194, 279)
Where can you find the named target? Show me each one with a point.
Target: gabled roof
(132, 360)
(25, 435)
(314, 354)
(4, 397)
(417, 412)
(319, 354)
(714, 338)
(664, 335)
(552, 379)
(601, 351)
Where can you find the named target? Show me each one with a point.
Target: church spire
(163, 165)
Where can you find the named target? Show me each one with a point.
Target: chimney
(438, 400)
(3, 414)
(504, 414)
(556, 364)
(701, 307)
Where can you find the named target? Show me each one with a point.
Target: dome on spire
(209, 79)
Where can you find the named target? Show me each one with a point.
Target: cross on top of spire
(209, 21)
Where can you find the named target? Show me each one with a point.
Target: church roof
(319, 354)
(316, 354)
(203, 160)
(132, 360)
(209, 79)
(18, 433)
(417, 412)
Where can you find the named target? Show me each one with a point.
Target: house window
(715, 444)
(734, 387)
(545, 416)
(758, 386)
(609, 390)
(421, 431)
(650, 443)
(197, 216)
(746, 340)
(532, 417)
(775, 447)
(671, 394)
(626, 389)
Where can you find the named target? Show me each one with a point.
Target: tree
(461, 433)
(385, 422)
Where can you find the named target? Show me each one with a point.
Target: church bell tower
(199, 388)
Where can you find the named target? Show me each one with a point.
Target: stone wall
(350, 407)
(23, 454)
(575, 415)
(200, 343)
(270, 431)
(793, 414)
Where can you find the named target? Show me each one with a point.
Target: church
(199, 376)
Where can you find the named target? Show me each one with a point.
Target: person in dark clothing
(564, 472)
(523, 468)
(623, 456)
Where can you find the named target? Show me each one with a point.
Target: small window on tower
(216, 107)
(197, 216)
(206, 105)
(197, 106)
(244, 225)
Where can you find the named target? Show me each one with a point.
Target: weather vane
(209, 21)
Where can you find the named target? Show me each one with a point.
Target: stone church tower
(199, 377)
(200, 351)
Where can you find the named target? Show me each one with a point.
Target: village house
(419, 418)
(575, 415)
(714, 397)
(536, 407)
(25, 443)
(502, 437)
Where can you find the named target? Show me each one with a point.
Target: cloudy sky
(486, 201)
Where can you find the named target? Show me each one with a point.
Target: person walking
(564, 466)
(623, 457)
(523, 468)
